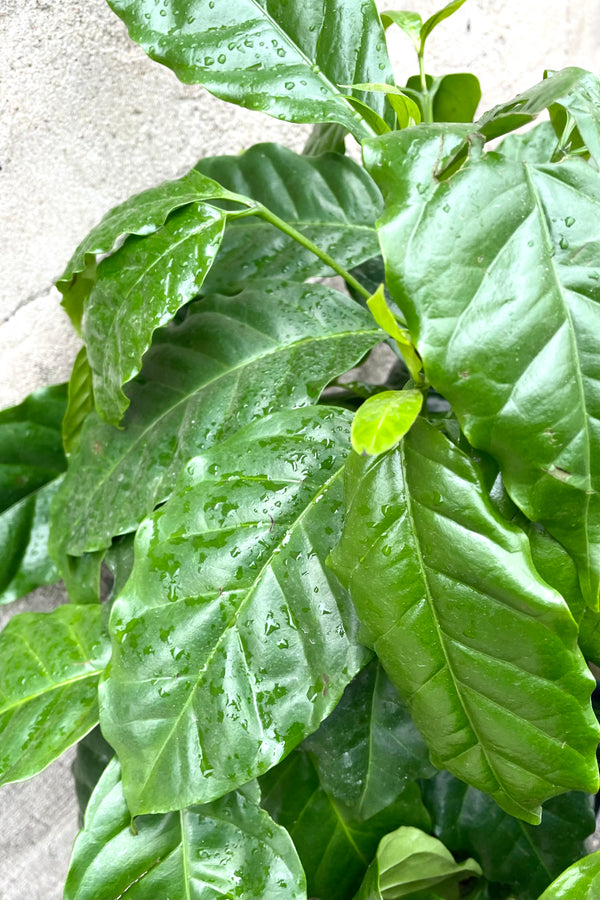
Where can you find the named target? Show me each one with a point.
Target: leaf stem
(425, 92)
(306, 242)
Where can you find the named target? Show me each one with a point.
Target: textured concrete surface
(85, 121)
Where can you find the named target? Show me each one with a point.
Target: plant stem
(298, 236)
(425, 92)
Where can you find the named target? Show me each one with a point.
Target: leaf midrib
(277, 547)
(430, 602)
(365, 332)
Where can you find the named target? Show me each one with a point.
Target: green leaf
(279, 58)
(518, 323)
(524, 856)
(335, 847)
(80, 402)
(589, 628)
(31, 451)
(330, 199)
(574, 90)
(142, 214)
(48, 685)
(456, 97)
(231, 360)
(581, 881)
(31, 463)
(434, 20)
(409, 861)
(534, 146)
(253, 640)
(384, 419)
(478, 646)
(407, 111)
(25, 563)
(368, 749)
(138, 289)
(410, 23)
(92, 757)
(229, 848)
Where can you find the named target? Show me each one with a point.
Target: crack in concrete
(38, 295)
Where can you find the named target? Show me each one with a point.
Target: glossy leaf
(330, 199)
(334, 846)
(410, 23)
(534, 146)
(407, 111)
(229, 848)
(572, 89)
(80, 402)
(581, 881)
(478, 646)
(31, 463)
(383, 420)
(409, 861)
(31, 451)
(279, 58)
(434, 20)
(589, 635)
(368, 750)
(510, 851)
(138, 289)
(92, 757)
(48, 685)
(231, 360)
(142, 214)
(524, 265)
(25, 563)
(231, 639)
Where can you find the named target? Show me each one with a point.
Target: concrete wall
(85, 121)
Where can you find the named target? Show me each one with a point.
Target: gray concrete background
(85, 121)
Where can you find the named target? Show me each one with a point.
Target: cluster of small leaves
(313, 612)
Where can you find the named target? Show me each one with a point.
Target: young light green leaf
(31, 463)
(142, 214)
(229, 848)
(231, 360)
(383, 420)
(368, 750)
(253, 641)
(334, 204)
(407, 111)
(410, 23)
(438, 17)
(409, 861)
(138, 289)
(581, 881)
(550, 460)
(386, 319)
(80, 402)
(51, 663)
(334, 845)
(526, 857)
(282, 59)
(477, 644)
